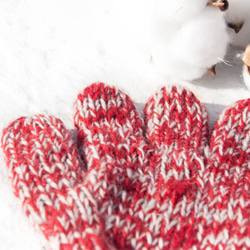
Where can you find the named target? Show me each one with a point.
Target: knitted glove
(169, 190)
(133, 195)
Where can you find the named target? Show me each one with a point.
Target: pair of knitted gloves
(160, 183)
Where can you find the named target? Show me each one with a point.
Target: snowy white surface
(50, 50)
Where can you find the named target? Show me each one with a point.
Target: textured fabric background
(50, 50)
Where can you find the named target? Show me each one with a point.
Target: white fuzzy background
(51, 49)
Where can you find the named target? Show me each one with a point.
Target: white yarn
(239, 12)
(187, 38)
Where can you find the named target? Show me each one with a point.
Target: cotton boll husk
(185, 50)
(238, 12)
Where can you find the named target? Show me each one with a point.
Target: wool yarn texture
(160, 183)
(45, 169)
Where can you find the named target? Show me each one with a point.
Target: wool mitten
(48, 175)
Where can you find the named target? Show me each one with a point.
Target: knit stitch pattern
(46, 170)
(177, 129)
(110, 132)
(195, 192)
(132, 184)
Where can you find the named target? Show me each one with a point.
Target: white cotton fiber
(188, 37)
(239, 12)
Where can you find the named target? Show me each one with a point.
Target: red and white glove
(147, 186)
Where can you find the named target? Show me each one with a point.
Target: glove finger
(35, 149)
(177, 130)
(177, 127)
(44, 164)
(110, 132)
(226, 194)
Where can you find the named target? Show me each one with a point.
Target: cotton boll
(237, 16)
(185, 49)
(246, 70)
